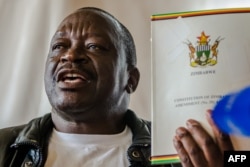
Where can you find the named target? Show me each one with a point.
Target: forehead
(85, 22)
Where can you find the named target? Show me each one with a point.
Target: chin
(69, 108)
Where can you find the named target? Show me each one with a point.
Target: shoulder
(7, 138)
(132, 119)
(9, 134)
(138, 125)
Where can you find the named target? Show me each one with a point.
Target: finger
(194, 152)
(223, 140)
(183, 155)
(209, 148)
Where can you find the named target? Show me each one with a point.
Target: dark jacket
(26, 145)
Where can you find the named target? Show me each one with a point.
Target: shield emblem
(203, 53)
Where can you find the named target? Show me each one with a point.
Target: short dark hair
(123, 34)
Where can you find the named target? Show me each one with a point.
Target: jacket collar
(140, 128)
(39, 128)
(37, 132)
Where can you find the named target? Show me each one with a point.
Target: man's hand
(196, 148)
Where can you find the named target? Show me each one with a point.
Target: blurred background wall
(26, 27)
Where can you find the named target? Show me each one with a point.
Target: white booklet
(197, 57)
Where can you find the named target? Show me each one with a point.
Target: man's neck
(106, 124)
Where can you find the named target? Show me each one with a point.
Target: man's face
(85, 70)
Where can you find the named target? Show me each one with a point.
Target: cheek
(51, 65)
(117, 78)
(106, 77)
(49, 75)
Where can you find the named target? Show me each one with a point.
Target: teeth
(71, 75)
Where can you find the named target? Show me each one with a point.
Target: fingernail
(181, 132)
(208, 113)
(191, 123)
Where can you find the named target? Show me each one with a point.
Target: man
(90, 74)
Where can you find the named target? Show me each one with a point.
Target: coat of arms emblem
(203, 53)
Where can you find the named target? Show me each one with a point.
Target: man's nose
(74, 56)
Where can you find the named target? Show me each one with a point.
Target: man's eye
(95, 47)
(58, 47)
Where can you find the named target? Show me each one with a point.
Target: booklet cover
(197, 57)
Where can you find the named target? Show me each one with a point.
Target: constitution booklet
(197, 58)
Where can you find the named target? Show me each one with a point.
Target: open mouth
(71, 79)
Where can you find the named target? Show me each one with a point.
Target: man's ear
(133, 80)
